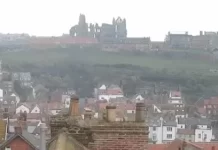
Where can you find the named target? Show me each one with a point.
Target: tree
(20, 90)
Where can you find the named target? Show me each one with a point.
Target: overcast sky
(152, 18)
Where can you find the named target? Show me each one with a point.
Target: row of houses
(189, 129)
(203, 41)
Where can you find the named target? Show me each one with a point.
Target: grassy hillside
(173, 61)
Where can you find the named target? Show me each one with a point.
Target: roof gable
(18, 136)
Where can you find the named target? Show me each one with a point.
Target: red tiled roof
(175, 93)
(177, 143)
(202, 110)
(208, 146)
(114, 92)
(211, 101)
(157, 146)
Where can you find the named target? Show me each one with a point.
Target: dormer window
(5, 102)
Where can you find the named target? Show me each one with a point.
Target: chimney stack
(18, 129)
(74, 106)
(140, 112)
(111, 113)
(42, 136)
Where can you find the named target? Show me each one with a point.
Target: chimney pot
(111, 113)
(140, 112)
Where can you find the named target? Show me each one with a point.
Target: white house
(110, 94)
(169, 131)
(35, 109)
(23, 108)
(66, 101)
(161, 131)
(156, 131)
(203, 135)
(102, 87)
(202, 126)
(1, 95)
(203, 132)
(138, 98)
(16, 97)
(175, 97)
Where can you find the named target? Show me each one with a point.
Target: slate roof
(186, 131)
(64, 141)
(169, 123)
(29, 138)
(194, 121)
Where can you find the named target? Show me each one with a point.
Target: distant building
(21, 140)
(111, 92)
(24, 77)
(178, 41)
(202, 128)
(161, 131)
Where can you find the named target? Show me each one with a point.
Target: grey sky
(152, 18)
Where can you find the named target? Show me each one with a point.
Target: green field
(49, 57)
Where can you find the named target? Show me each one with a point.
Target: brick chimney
(18, 129)
(111, 113)
(74, 106)
(140, 112)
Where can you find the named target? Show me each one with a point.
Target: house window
(8, 148)
(199, 135)
(36, 110)
(154, 128)
(154, 137)
(169, 128)
(208, 106)
(205, 136)
(169, 136)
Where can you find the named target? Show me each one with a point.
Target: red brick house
(21, 140)
(211, 106)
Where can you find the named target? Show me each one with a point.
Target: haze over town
(152, 18)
